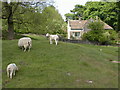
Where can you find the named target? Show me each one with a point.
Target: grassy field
(66, 65)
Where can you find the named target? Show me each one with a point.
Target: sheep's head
(16, 68)
(47, 35)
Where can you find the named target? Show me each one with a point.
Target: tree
(8, 12)
(106, 11)
(0, 19)
(118, 25)
(52, 20)
(76, 13)
(69, 16)
(96, 25)
(13, 15)
(99, 35)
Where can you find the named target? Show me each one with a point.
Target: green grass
(0, 64)
(47, 66)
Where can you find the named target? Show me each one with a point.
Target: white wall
(68, 30)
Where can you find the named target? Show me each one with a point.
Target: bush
(106, 37)
(4, 34)
(96, 25)
(98, 34)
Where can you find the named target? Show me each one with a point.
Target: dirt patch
(5, 82)
(23, 63)
(113, 61)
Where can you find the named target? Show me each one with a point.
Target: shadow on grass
(17, 36)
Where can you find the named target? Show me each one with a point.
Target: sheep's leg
(25, 46)
(29, 49)
(50, 41)
(56, 41)
(22, 48)
(29, 43)
(11, 72)
(25, 50)
(8, 73)
(14, 72)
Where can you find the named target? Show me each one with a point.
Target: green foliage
(4, 34)
(32, 17)
(104, 37)
(76, 13)
(99, 35)
(107, 11)
(38, 19)
(69, 16)
(96, 25)
(53, 21)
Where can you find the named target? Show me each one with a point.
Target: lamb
(11, 69)
(25, 43)
(53, 37)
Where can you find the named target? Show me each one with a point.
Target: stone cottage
(76, 28)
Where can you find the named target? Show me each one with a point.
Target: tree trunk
(10, 24)
(10, 29)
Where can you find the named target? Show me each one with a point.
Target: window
(77, 34)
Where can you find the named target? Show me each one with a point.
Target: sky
(64, 6)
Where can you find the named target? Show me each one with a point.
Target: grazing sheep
(53, 37)
(11, 68)
(25, 43)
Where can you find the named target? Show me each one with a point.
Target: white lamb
(53, 37)
(11, 69)
(25, 43)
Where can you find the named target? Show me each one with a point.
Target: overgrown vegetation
(107, 11)
(31, 17)
(99, 35)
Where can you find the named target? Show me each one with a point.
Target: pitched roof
(106, 26)
(79, 24)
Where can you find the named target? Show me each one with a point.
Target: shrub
(98, 34)
(4, 34)
(96, 25)
(106, 37)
